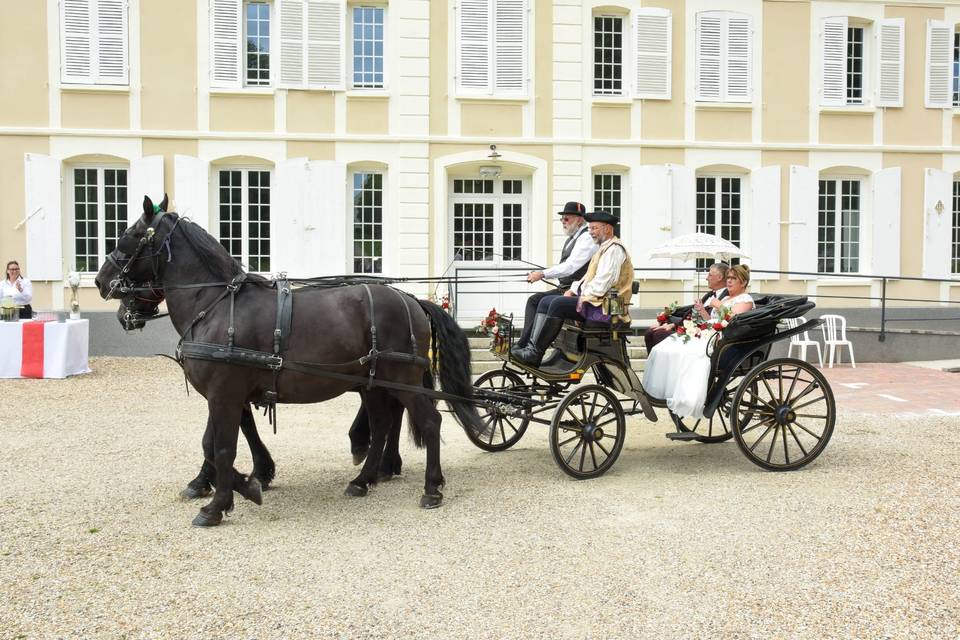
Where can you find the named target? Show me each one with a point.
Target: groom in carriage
(610, 272)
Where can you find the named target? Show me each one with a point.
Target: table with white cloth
(64, 347)
(678, 372)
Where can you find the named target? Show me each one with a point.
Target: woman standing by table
(19, 288)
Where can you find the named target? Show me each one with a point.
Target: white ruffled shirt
(583, 249)
(9, 290)
(608, 269)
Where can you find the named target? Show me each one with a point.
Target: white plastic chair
(802, 341)
(834, 329)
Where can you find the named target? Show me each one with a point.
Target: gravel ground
(679, 540)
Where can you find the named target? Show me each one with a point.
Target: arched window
(243, 220)
(839, 223)
(97, 205)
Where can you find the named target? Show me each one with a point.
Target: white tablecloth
(66, 346)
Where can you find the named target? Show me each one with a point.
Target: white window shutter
(654, 38)
(939, 76)
(885, 230)
(833, 60)
(653, 218)
(111, 42)
(937, 225)
(764, 231)
(145, 178)
(191, 189)
(473, 46)
(803, 221)
(44, 227)
(327, 212)
(226, 31)
(683, 214)
(890, 68)
(291, 199)
(76, 42)
(710, 26)
(509, 46)
(292, 17)
(738, 54)
(325, 44)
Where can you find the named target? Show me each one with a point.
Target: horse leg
(379, 408)
(360, 435)
(425, 426)
(202, 485)
(391, 463)
(225, 423)
(264, 468)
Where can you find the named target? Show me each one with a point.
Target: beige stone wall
(786, 58)
(497, 119)
(23, 74)
(311, 150)
(611, 121)
(310, 112)
(168, 68)
(95, 109)
(251, 112)
(13, 205)
(439, 29)
(543, 69)
(726, 125)
(663, 119)
(846, 128)
(367, 115)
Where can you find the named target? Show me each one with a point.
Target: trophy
(73, 279)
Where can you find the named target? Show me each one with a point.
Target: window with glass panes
(956, 69)
(718, 210)
(99, 214)
(243, 215)
(367, 222)
(607, 194)
(368, 47)
(838, 226)
(488, 219)
(258, 43)
(607, 55)
(955, 236)
(855, 65)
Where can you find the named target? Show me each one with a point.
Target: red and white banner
(44, 349)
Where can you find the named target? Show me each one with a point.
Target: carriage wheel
(587, 432)
(786, 413)
(507, 429)
(715, 428)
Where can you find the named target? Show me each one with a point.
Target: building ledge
(724, 106)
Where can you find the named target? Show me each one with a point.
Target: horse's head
(133, 271)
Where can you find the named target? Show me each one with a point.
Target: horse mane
(209, 251)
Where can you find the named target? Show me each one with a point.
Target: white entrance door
(489, 230)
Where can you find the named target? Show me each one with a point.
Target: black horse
(178, 260)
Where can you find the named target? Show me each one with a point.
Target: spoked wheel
(587, 432)
(506, 429)
(713, 429)
(786, 413)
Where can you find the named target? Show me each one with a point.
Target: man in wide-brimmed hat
(576, 253)
(610, 268)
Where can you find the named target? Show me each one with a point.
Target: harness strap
(374, 352)
(406, 307)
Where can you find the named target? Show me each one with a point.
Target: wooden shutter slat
(225, 37)
(939, 72)
(890, 67)
(834, 62)
(473, 46)
(654, 30)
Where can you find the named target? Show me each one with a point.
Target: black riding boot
(532, 354)
(523, 344)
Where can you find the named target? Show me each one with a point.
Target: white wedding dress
(678, 371)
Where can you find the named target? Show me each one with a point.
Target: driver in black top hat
(574, 258)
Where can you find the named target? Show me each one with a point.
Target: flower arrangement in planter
(488, 326)
(442, 301)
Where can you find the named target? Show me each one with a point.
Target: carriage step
(683, 435)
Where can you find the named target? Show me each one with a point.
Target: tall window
(854, 65)
(512, 221)
(243, 216)
(99, 214)
(488, 219)
(607, 194)
(956, 69)
(838, 227)
(368, 47)
(258, 43)
(718, 210)
(367, 222)
(607, 55)
(955, 239)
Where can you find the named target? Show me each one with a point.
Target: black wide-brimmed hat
(573, 208)
(601, 216)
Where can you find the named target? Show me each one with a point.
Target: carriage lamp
(73, 279)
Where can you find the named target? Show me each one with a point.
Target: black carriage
(780, 411)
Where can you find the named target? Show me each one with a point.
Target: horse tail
(451, 353)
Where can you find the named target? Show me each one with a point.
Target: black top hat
(572, 208)
(601, 216)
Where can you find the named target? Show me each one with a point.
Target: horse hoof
(355, 491)
(359, 457)
(192, 492)
(431, 501)
(253, 492)
(205, 519)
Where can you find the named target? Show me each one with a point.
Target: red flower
(662, 318)
(702, 325)
(717, 326)
(681, 330)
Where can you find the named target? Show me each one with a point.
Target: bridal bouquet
(668, 311)
(705, 329)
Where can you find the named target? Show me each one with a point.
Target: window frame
(351, 254)
(71, 235)
(498, 198)
(348, 44)
(271, 53)
(838, 223)
(955, 233)
(93, 78)
(723, 79)
(491, 90)
(703, 263)
(215, 219)
(625, 49)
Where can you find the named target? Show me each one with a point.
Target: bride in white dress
(677, 371)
